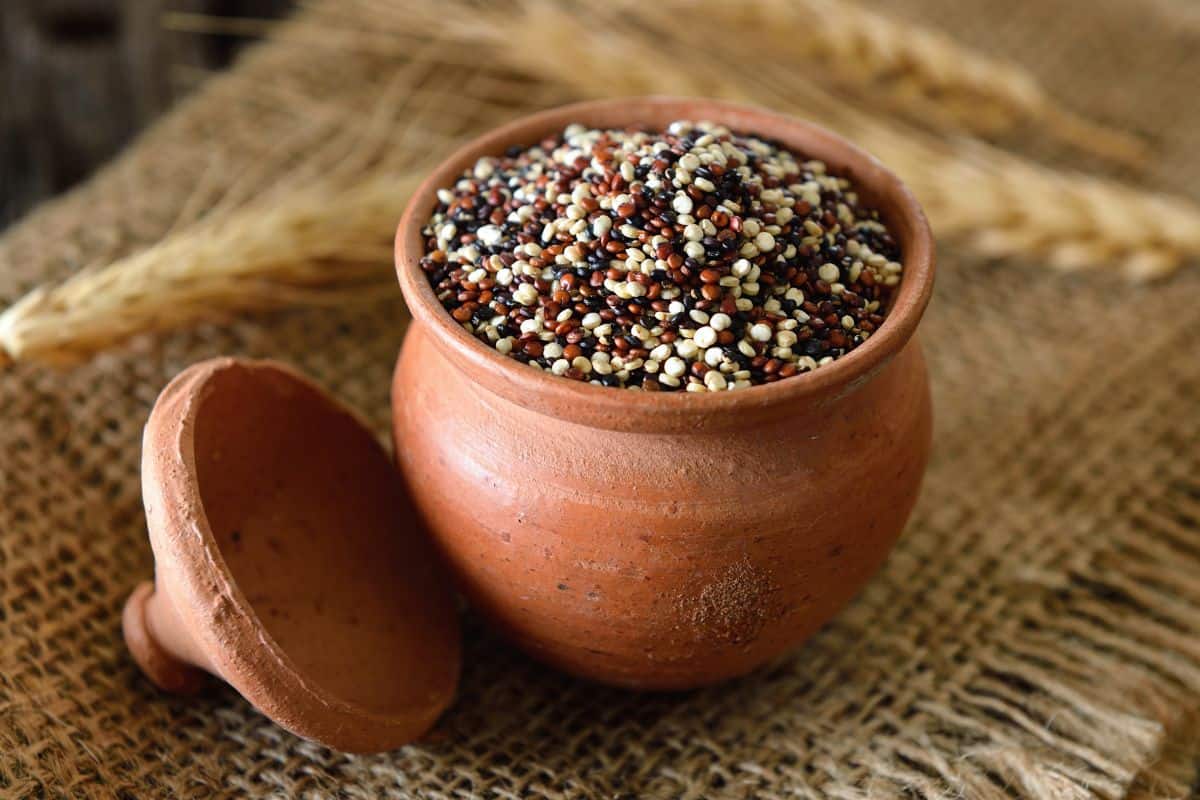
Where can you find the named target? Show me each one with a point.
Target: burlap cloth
(1036, 633)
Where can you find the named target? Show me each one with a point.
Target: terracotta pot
(287, 562)
(663, 540)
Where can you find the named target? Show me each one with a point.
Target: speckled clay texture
(287, 561)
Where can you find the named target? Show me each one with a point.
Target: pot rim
(604, 406)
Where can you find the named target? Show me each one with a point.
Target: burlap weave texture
(1036, 634)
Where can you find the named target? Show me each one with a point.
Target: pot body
(660, 559)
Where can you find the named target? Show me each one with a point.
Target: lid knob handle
(159, 642)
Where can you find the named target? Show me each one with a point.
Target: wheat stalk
(919, 72)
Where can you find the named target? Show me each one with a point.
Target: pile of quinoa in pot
(692, 259)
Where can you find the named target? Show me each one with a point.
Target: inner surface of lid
(312, 521)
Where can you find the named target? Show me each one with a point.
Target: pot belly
(652, 560)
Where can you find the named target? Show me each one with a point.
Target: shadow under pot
(664, 540)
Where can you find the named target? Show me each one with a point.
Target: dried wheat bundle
(998, 203)
(310, 223)
(313, 222)
(315, 248)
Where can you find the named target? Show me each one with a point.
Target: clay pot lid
(289, 561)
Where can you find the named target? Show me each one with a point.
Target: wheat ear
(911, 70)
(932, 77)
(316, 248)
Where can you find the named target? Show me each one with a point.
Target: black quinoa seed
(689, 259)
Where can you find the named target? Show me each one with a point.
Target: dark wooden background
(78, 78)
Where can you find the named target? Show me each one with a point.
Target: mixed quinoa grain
(691, 259)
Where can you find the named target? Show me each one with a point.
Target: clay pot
(287, 561)
(663, 540)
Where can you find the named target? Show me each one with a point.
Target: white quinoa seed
(714, 380)
(490, 235)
